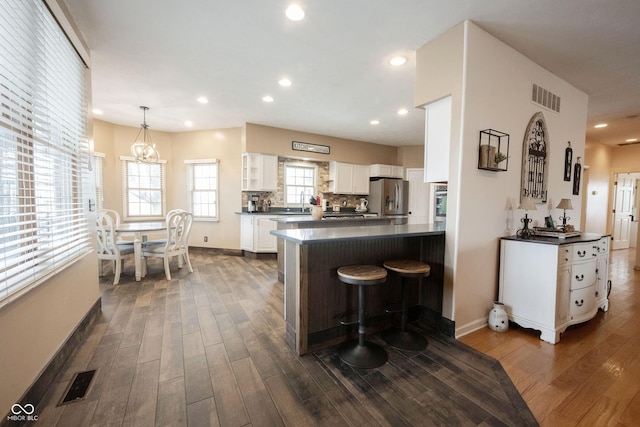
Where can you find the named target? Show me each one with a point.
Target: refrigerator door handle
(398, 195)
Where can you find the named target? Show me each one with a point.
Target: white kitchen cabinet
(255, 233)
(386, 171)
(259, 172)
(437, 140)
(549, 284)
(348, 178)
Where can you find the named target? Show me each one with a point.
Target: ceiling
(164, 54)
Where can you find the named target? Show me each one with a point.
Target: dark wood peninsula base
(315, 300)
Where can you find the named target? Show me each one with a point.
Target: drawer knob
(582, 254)
(580, 278)
(580, 303)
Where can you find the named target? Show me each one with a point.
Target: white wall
(495, 94)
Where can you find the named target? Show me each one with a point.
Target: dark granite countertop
(307, 236)
(584, 237)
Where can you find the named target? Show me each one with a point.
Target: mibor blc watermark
(22, 413)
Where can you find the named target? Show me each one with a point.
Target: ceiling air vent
(541, 96)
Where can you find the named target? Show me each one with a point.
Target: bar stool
(361, 353)
(402, 338)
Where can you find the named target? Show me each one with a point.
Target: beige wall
(270, 140)
(598, 181)
(411, 156)
(493, 93)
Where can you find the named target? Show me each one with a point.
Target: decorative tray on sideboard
(552, 232)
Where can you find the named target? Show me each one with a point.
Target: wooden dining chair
(108, 246)
(176, 243)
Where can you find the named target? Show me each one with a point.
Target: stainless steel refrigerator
(389, 197)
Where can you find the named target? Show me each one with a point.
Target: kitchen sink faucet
(302, 201)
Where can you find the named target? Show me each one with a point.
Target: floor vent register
(78, 388)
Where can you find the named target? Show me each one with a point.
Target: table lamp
(565, 204)
(527, 205)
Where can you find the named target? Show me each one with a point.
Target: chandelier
(143, 150)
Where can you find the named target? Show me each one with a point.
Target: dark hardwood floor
(208, 348)
(592, 376)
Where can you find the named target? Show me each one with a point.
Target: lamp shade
(527, 204)
(565, 204)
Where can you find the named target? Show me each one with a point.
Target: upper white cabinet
(386, 171)
(437, 140)
(259, 172)
(348, 178)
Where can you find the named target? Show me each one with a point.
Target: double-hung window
(44, 151)
(299, 183)
(143, 189)
(203, 188)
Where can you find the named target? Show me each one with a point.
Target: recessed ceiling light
(267, 98)
(632, 140)
(188, 123)
(203, 100)
(396, 61)
(600, 125)
(284, 82)
(294, 12)
(403, 111)
(97, 112)
(375, 122)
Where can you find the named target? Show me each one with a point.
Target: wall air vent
(541, 96)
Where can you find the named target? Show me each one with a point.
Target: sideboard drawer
(583, 274)
(582, 301)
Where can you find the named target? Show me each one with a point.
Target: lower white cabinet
(255, 233)
(548, 284)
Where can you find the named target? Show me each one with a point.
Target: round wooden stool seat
(362, 353)
(403, 338)
(362, 274)
(408, 267)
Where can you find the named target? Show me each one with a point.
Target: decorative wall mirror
(535, 152)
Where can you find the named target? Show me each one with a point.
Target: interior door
(418, 197)
(623, 206)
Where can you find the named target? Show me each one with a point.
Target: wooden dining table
(140, 231)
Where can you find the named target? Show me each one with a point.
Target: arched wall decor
(535, 152)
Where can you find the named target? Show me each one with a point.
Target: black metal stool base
(407, 340)
(365, 356)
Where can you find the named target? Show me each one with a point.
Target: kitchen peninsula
(315, 299)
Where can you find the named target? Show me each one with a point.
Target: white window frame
(205, 187)
(98, 174)
(309, 190)
(128, 216)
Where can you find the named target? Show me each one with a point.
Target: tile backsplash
(277, 197)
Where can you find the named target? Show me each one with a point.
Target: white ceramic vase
(316, 212)
(498, 318)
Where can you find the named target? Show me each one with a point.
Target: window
(44, 151)
(299, 179)
(143, 189)
(98, 177)
(203, 188)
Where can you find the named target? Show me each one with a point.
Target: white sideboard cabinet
(548, 284)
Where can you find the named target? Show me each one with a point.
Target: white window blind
(44, 153)
(98, 168)
(144, 189)
(203, 188)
